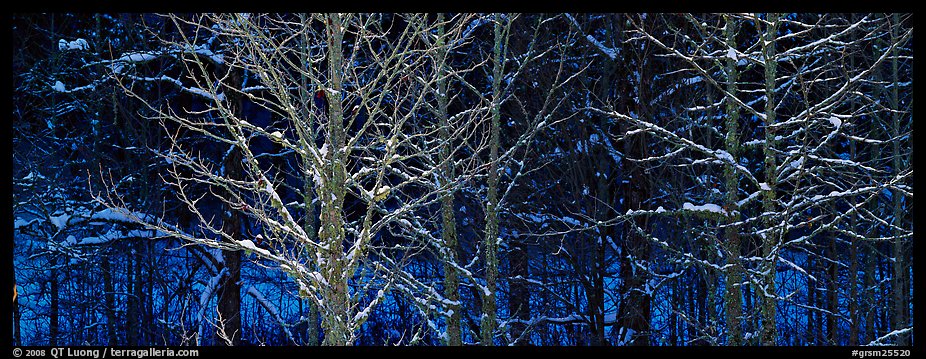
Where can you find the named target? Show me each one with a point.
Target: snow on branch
(881, 340)
(272, 309)
(605, 50)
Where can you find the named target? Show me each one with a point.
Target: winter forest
(462, 179)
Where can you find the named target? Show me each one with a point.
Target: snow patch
(59, 86)
(79, 44)
(137, 57)
(731, 54)
(247, 244)
(318, 278)
(724, 155)
(115, 216)
(60, 221)
(19, 222)
(707, 207)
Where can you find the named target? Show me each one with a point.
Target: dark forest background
(462, 179)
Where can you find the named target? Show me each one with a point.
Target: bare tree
(360, 145)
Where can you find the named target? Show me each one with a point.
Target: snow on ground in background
(79, 44)
(19, 222)
(115, 216)
(60, 221)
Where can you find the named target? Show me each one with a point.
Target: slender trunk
(308, 191)
(819, 338)
(230, 291)
(331, 196)
(673, 316)
(53, 320)
(138, 296)
(229, 301)
(885, 318)
(767, 290)
(596, 299)
(853, 299)
(605, 195)
(832, 298)
(703, 305)
(17, 317)
(898, 281)
(519, 307)
(854, 318)
(148, 330)
(307, 135)
(749, 306)
(637, 307)
(448, 217)
(732, 295)
(53, 281)
(602, 213)
(868, 284)
(491, 230)
(811, 300)
(310, 229)
(17, 326)
(636, 310)
(131, 311)
(594, 267)
(109, 301)
(870, 248)
(854, 315)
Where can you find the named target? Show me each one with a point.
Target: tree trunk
(53, 325)
(637, 307)
(832, 298)
(17, 317)
(868, 283)
(870, 248)
(811, 334)
(899, 280)
(331, 193)
(109, 302)
(310, 226)
(131, 311)
(673, 315)
(767, 290)
(732, 294)
(448, 217)
(519, 307)
(230, 290)
(606, 194)
(229, 301)
(602, 213)
(491, 229)
(854, 317)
